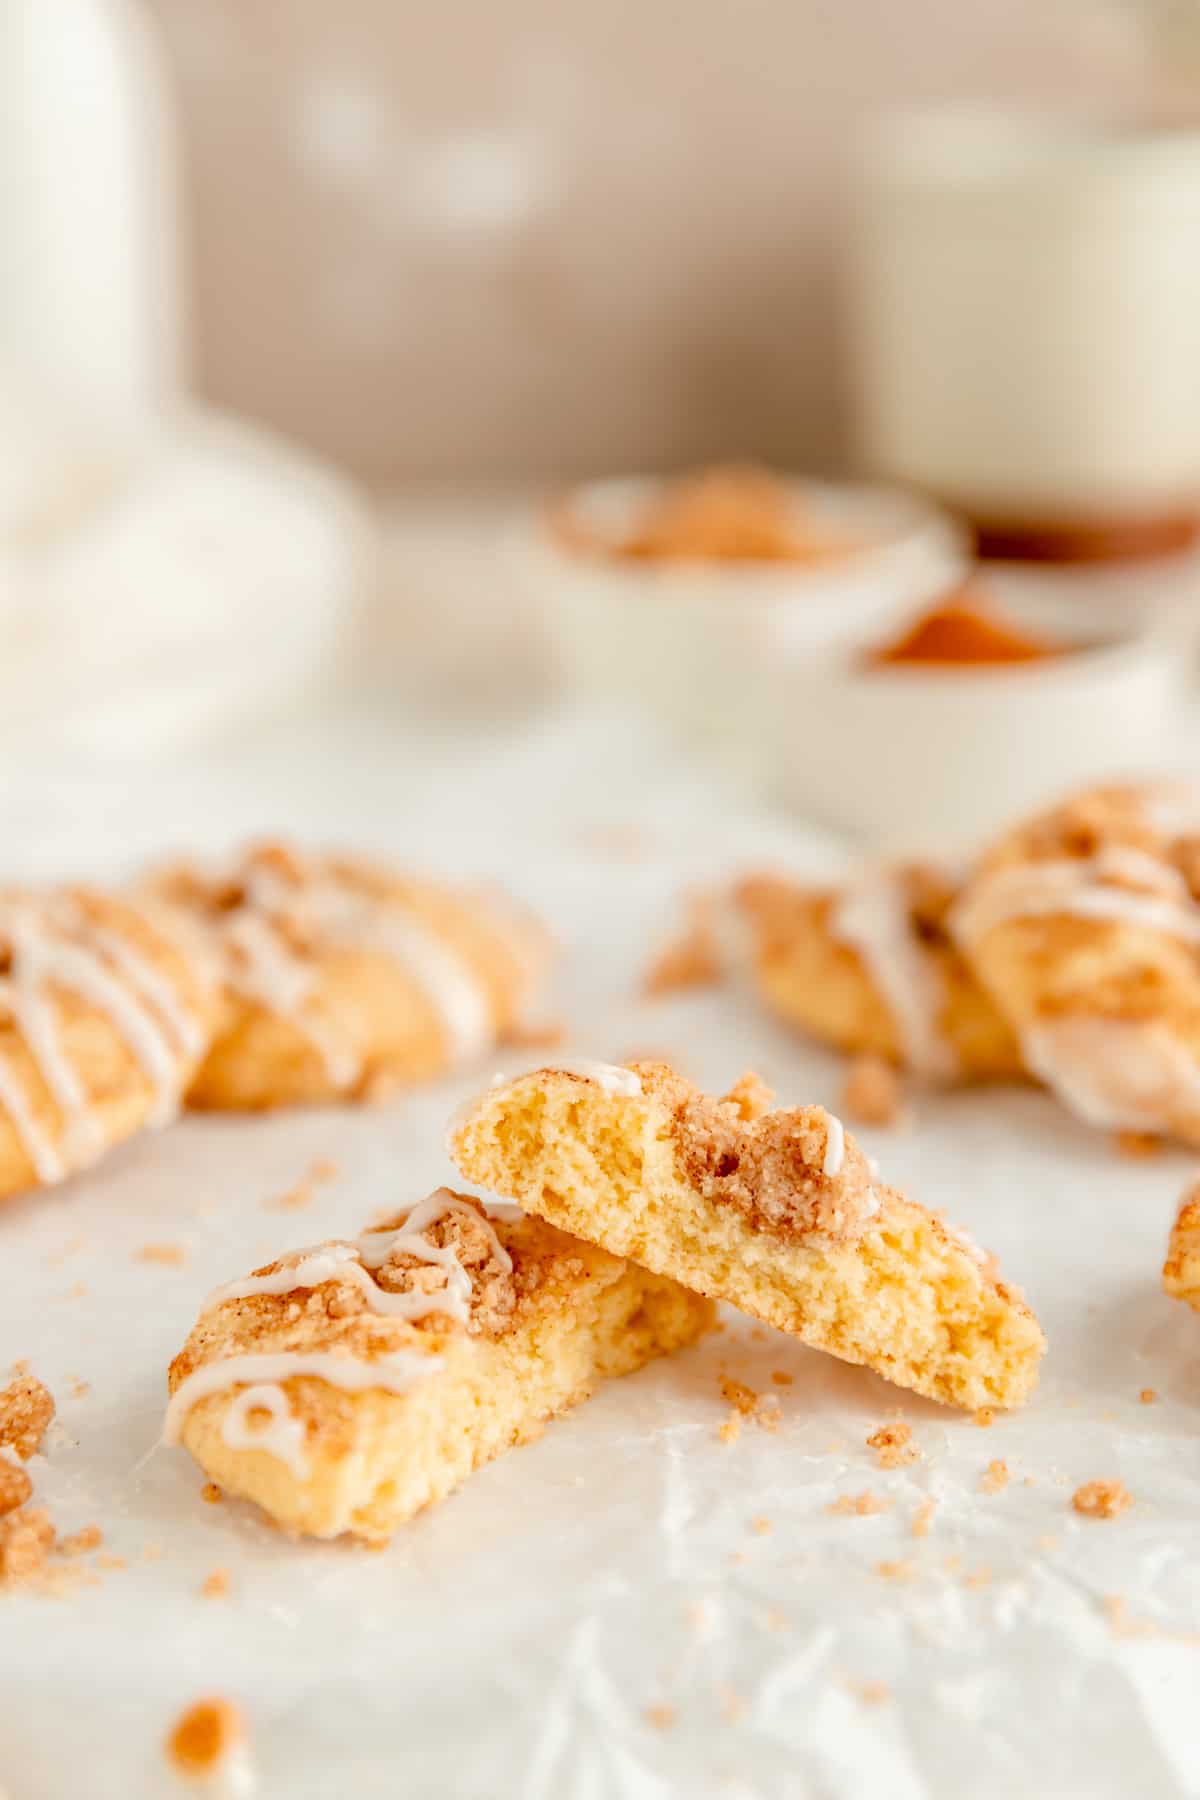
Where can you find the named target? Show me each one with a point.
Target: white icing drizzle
(872, 917)
(835, 1147)
(1118, 1074)
(259, 1375)
(354, 1263)
(625, 1084)
(56, 945)
(1081, 888)
(1173, 808)
(396, 1373)
(283, 1436)
(43, 1154)
(266, 970)
(154, 987)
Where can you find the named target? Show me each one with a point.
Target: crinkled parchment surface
(630, 1607)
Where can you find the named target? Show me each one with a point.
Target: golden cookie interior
(347, 1386)
(777, 1212)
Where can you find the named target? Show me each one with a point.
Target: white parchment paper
(630, 1607)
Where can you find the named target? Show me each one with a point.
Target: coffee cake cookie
(106, 1008)
(347, 1386)
(869, 967)
(1084, 926)
(343, 979)
(776, 1212)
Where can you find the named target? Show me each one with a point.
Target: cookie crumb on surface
(743, 1399)
(858, 1506)
(893, 1445)
(292, 1200)
(901, 1570)
(15, 1486)
(26, 1409)
(1138, 1144)
(761, 1525)
(90, 1537)
(995, 1477)
(661, 1717)
(781, 1378)
(984, 1417)
(215, 1584)
(26, 1541)
(204, 1736)
(211, 1493)
(1101, 1499)
(692, 958)
(169, 1256)
(731, 1430)
(80, 1389)
(923, 1518)
(870, 1693)
(733, 1704)
(871, 1093)
(1148, 1396)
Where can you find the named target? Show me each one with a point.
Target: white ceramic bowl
(913, 758)
(697, 642)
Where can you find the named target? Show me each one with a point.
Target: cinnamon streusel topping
(770, 1166)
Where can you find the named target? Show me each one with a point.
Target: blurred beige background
(486, 240)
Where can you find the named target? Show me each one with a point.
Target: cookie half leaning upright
(777, 1212)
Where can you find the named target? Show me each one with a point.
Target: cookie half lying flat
(346, 1386)
(1084, 926)
(106, 1009)
(343, 979)
(870, 967)
(777, 1212)
(1181, 1271)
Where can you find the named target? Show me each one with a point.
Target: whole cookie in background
(107, 1007)
(1084, 926)
(869, 966)
(343, 979)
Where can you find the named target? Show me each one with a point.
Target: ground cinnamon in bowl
(965, 629)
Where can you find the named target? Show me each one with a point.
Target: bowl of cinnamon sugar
(976, 709)
(683, 596)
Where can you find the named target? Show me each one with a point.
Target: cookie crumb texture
(776, 1212)
(546, 1319)
(1181, 1271)
(26, 1409)
(871, 1093)
(205, 1738)
(1101, 1499)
